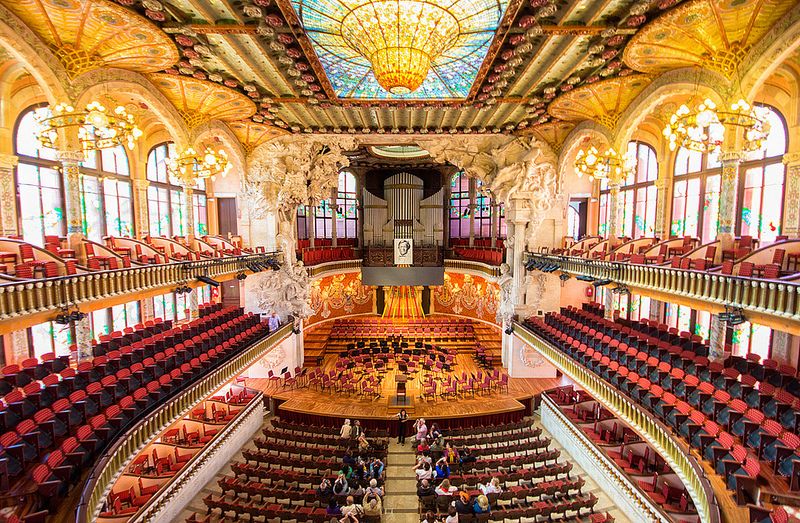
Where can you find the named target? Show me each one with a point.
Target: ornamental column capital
(141, 183)
(8, 161)
(791, 159)
(731, 157)
(71, 156)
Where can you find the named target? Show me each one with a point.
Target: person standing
(402, 421)
(356, 431)
(274, 322)
(422, 430)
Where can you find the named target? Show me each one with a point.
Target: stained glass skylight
(451, 75)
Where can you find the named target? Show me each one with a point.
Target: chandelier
(608, 165)
(400, 38)
(98, 128)
(189, 166)
(704, 127)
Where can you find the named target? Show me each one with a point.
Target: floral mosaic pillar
(142, 218)
(613, 216)
(189, 213)
(791, 205)
(8, 199)
(608, 304)
(70, 165)
(194, 307)
(83, 340)
(727, 198)
(148, 311)
(661, 227)
(716, 341)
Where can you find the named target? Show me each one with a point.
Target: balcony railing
(453, 265)
(653, 431)
(54, 294)
(102, 477)
(768, 297)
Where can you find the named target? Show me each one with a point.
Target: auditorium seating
(634, 457)
(744, 427)
(534, 482)
(458, 334)
(316, 255)
(164, 457)
(56, 418)
(278, 480)
(488, 255)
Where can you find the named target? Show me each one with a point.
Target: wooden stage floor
(312, 401)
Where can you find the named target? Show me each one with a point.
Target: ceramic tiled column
(8, 198)
(70, 166)
(791, 203)
(727, 198)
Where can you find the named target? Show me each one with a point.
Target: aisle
(401, 505)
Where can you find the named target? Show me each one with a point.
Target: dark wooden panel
(226, 211)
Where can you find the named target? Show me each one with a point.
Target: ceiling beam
(561, 30)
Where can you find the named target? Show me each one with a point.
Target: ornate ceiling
(275, 66)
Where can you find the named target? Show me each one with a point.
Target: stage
(312, 402)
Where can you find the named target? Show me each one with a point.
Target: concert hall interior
(399, 261)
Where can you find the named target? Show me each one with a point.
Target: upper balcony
(36, 283)
(764, 282)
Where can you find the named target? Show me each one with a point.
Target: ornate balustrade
(479, 268)
(117, 457)
(777, 298)
(53, 294)
(675, 452)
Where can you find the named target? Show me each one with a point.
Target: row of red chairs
(707, 417)
(487, 255)
(326, 254)
(477, 242)
(326, 242)
(98, 401)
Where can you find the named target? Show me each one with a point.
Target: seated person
(376, 467)
(445, 488)
(463, 503)
(333, 508)
(430, 517)
(374, 488)
(425, 489)
(351, 511)
(481, 505)
(450, 454)
(438, 446)
(423, 470)
(372, 505)
(325, 489)
(340, 486)
(493, 487)
(442, 468)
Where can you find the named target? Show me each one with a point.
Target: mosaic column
(791, 204)
(83, 340)
(334, 210)
(613, 215)
(472, 196)
(194, 306)
(141, 216)
(189, 213)
(716, 341)
(70, 166)
(727, 198)
(654, 314)
(8, 197)
(661, 228)
(781, 347)
(148, 312)
(608, 304)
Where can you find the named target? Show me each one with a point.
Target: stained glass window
(106, 204)
(49, 337)
(678, 316)
(605, 215)
(302, 222)
(483, 212)
(451, 75)
(501, 218)
(125, 315)
(99, 321)
(166, 201)
(639, 307)
(347, 206)
(203, 294)
(164, 306)
(459, 206)
(200, 210)
(752, 338)
(182, 306)
(322, 220)
(41, 201)
(702, 326)
(573, 222)
(761, 185)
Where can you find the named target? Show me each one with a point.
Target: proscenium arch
(110, 81)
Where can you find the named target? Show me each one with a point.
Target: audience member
(402, 421)
(274, 323)
(363, 444)
(430, 517)
(493, 487)
(481, 505)
(452, 515)
(463, 503)
(346, 430)
(356, 432)
(422, 430)
(450, 453)
(351, 511)
(434, 432)
(372, 505)
(423, 470)
(324, 490)
(333, 508)
(438, 446)
(376, 467)
(442, 468)
(374, 488)
(466, 458)
(340, 486)
(425, 489)
(445, 488)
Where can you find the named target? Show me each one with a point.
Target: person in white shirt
(274, 322)
(351, 511)
(423, 470)
(493, 487)
(445, 488)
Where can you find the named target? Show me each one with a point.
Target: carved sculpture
(285, 291)
(505, 308)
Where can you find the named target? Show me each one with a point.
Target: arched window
(165, 198)
(106, 203)
(459, 206)
(302, 222)
(347, 206)
(637, 196)
(40, 194)
(696, 190)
